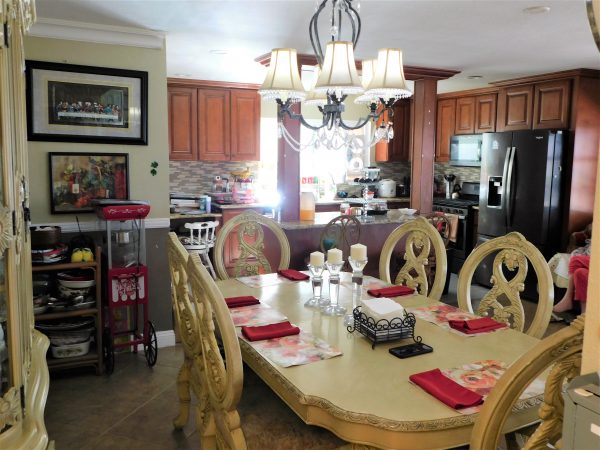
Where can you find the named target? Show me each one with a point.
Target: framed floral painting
(72, 103)
(78, 178)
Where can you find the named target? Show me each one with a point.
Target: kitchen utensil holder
(384, 330)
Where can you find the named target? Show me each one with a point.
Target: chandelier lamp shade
(382, 83)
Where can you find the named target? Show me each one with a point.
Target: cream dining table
(364, 396)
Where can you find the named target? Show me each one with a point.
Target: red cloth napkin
(293, 275)
(391, 291)
(246, 300)
(446, 390)
(475, 326)
(274, 330)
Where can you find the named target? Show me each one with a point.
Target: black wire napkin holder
(384, 330)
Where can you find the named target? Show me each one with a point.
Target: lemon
(77, 256)
(88, 256)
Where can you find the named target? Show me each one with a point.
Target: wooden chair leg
(183, 391)
(209, 266)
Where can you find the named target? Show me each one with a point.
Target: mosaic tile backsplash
(394, 170)
(196, 177)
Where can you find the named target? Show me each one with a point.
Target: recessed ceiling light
(475, 77)
(184, 75)
(218, 52)
(536, 10)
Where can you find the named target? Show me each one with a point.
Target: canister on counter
(345, 208)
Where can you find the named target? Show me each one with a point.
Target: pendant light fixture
(382, 84)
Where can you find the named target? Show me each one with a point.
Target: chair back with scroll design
(420, 237)
(341, 232)
(200, 311)
(247, 230)
(562, 351)
(503, 301)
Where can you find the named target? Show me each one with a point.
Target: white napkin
(382, 308)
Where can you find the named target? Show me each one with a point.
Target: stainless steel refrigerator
(521, 189)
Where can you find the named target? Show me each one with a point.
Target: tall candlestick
(317, 259)
(358, 252)
(334, 256)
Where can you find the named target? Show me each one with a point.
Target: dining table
(364, 396)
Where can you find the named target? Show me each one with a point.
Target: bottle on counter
(307, 206)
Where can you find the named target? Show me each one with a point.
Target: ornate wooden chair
(244, 238)
(341, 232)
(420, 237)
(209, 339)
(562, 351)
(441, 223)
(503, 301)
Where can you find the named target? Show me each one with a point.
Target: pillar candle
(317, 259)
(358, 252)
(334, 256)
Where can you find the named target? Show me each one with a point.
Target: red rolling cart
(126, 280)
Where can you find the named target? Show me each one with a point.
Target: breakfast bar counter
(322, 219)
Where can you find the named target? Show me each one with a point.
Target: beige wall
(142, 185)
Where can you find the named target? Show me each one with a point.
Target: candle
(317, 259)
(358, 252)
(334, 256)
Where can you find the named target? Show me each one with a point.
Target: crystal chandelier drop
(382, 83)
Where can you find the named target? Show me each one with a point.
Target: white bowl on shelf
(77, 284)
(407, 211)
(71, 350)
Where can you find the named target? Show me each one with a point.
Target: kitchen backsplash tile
(394, 170)
(195, 177)
(462, 173)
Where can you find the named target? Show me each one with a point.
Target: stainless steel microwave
(465, 150)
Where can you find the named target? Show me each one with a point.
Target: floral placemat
(441, 314)
(255, 315)
(369, 282)
(482, 376)
(303, 348)
(267, 279)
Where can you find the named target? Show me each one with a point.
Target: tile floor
(134, 407)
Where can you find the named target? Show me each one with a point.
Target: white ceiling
(492, 38)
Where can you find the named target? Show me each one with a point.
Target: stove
(463, 208)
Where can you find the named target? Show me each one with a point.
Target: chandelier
(382, 83)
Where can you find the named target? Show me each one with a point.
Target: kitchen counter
(175, 216)
(323, 218)
(242, 206)
(337, 201)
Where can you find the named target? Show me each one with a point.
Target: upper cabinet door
(485, 113)
(214, 124)
(183, 137)
(515, 108)
(446, 114)
(465, 115)
(245, 125)
(400, 144)
(551, 104)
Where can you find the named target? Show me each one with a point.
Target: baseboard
(164, 338)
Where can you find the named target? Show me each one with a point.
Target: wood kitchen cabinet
(213, 121)
(485, 113)
(446, 116)
(183, 140)
(515, 108)
(551, 104)
(213, 125)
(398, 149)
(465, 115)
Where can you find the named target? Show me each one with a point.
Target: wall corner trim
(96, 33)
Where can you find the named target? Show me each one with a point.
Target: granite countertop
(174, 216)
(337, 201)
(242, 205)
(322, 219)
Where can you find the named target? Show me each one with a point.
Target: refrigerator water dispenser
(494, 192)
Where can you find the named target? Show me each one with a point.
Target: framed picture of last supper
(78, 178)
(71, 103)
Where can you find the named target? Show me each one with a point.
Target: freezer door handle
(511, 167)
(504, 178)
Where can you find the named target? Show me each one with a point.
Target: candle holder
(316, 273)
(334, 309)
(357, 281)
